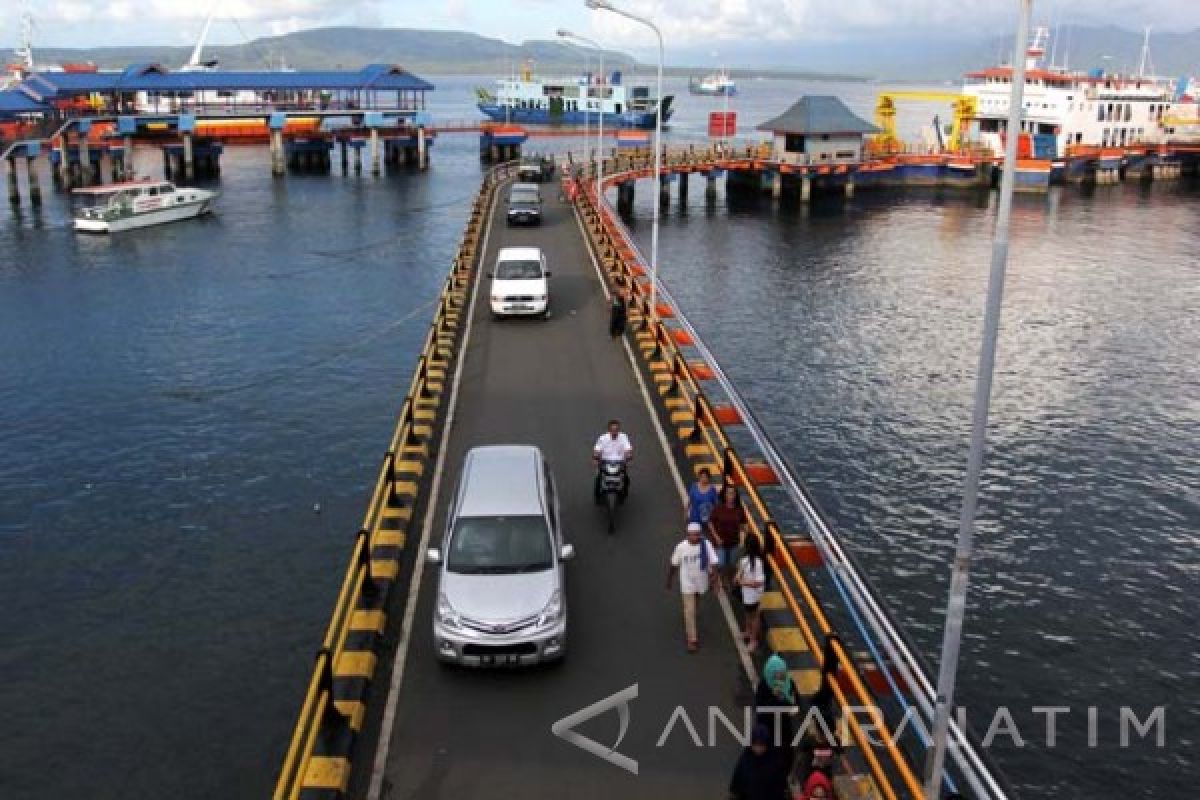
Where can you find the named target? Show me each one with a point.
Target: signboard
(722, 124)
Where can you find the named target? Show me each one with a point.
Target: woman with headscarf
(758, 774)
(775, 706)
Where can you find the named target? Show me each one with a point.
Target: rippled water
(178, 403)
(853, 330)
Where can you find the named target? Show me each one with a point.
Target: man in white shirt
(695, 560)
(612, 446)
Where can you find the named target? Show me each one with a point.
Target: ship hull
(541, 116)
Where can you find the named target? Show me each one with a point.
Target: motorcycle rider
(613, 445)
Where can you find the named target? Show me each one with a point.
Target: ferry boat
(526, 99)
(138, 204)
(1073, 108)
(716, 84)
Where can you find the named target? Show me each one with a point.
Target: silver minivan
(501, 598)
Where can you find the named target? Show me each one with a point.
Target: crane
(964, 105)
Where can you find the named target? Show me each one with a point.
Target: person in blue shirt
(702, 498)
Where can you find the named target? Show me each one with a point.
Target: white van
(520, 284)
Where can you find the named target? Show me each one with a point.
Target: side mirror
(567, 553)
(433, 556)
(546, 273)
(491, 275)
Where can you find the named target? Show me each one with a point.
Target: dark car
(524, 206)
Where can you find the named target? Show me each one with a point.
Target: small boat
(716, 84)
(138, 204)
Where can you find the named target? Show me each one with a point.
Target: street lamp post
(600, 128)
(587, 67)
(605, 5)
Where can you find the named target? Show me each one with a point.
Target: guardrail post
(327, 682)
(364, 557)
(390, 458)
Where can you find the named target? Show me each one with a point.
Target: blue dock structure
(302, 115)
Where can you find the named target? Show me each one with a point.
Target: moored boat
(138, 204)
(529, 100)
(716, 84)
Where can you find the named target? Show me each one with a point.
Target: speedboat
(138, 204)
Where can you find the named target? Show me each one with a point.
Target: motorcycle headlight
(446, 614)
(553, 612)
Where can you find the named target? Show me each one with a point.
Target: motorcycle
(613, 489)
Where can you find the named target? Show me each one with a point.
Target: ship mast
(193, 63)
(964, 549)
(24, 52)
(1145, 53)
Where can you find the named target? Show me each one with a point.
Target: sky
(686, 24)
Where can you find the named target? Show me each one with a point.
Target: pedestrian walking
(758, 774)
(702, 498)
(618, 313)
(696, 562)
(751, 576)
(727, 524)
(775, 706)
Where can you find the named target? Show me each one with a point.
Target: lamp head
(565, 34)
(598, 5)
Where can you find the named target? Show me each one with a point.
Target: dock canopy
(818, 114)
(15, 103)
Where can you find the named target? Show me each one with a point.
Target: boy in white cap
(696, 562)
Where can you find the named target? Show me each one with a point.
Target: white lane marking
(726, 609)
(389, 712)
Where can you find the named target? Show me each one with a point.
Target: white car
(520, 283)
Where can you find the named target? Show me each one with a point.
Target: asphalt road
(486, 734)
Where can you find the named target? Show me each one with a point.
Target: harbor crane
(964, 107)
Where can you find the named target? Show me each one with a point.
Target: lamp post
(600, 131)
(964, 549)
(587, 67)
(605, 5)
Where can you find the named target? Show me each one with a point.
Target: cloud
(696, 22)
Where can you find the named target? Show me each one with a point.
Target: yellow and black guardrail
(799, 628)
(318, 760)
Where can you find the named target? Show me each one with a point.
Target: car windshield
(523, 196)
(518, 270)
(499, 546)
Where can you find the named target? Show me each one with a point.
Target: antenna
(25, 51)
(194, 62)
(1145, 53)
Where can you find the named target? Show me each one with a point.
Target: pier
(382, 718)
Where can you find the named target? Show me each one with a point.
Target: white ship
(138, 204)
(572, 101)
(1065, 108)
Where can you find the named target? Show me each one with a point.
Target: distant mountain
(891, 58)
(942, 58)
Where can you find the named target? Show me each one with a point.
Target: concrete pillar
(777, 185)
(375, 170)
(115, 165)
(344, 156)
(358, 160)
(422, 151)
(850, 186)
(14, 190)
(805, 188)
(127, 168)
(278, 161)
(189, 161)
(35, 187)
(494, 152)
(85, 160)
(710, 186)
(664, 190)
(683, 188)
(63, 170)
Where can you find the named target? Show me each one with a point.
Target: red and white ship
(1066, 108)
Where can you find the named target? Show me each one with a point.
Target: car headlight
(553, 612)
(446, 615)
(539, 298)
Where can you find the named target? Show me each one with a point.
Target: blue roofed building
(151, 88)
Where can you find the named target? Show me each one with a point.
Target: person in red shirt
(726, 525)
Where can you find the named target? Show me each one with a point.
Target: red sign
(722, 124)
